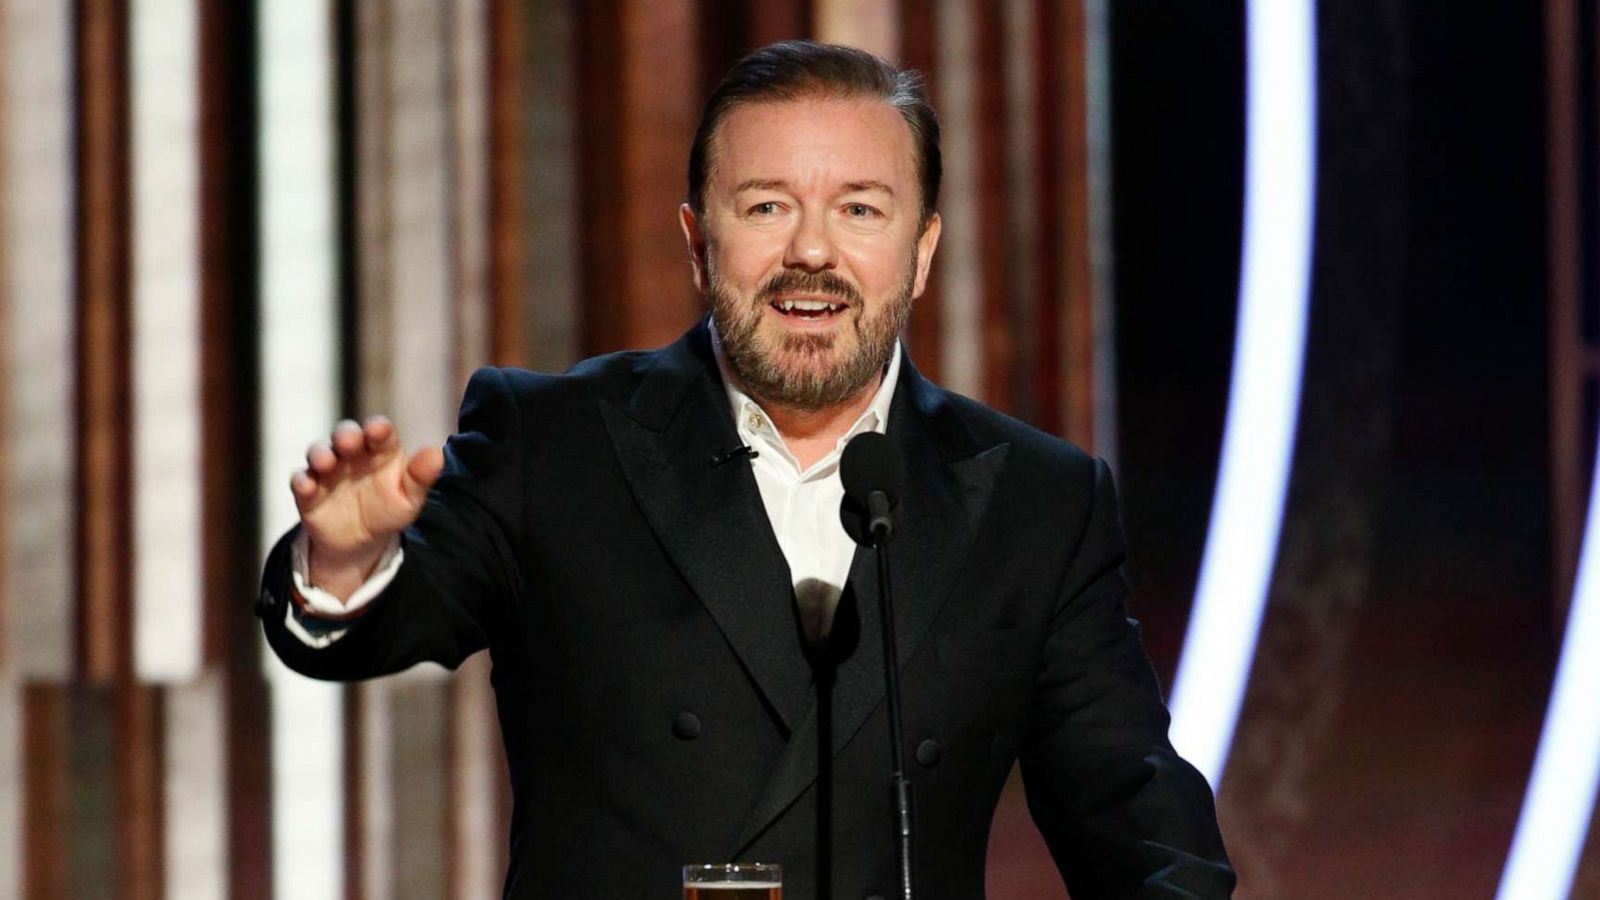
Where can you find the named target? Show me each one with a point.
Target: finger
(380, 434)
(347, 439)
(422, 471)
(305, 489)
(320, 459)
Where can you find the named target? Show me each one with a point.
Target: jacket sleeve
(460, 572)
(1123, 814)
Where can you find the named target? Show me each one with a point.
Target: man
(650, 548)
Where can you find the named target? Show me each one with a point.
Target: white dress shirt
(802, 505)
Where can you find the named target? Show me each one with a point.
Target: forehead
(815, 140)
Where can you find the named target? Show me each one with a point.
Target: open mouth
(809, 310)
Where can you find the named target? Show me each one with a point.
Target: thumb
(421, 472)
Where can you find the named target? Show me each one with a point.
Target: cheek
(878, 269)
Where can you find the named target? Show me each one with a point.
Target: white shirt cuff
(318, 602)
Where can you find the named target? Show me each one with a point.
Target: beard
(807, 372)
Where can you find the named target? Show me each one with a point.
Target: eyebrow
(778, 184)
(854, 186)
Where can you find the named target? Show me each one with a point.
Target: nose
(811, 246)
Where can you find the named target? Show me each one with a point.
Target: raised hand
(358, 490)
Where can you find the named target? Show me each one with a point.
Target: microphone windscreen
(871, 462)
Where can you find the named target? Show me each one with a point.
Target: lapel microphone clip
(741, 451)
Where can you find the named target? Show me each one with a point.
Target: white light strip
(37, 287)
(195, 794)
(1561, 796)
(299, 385)
(1280, 164)
(166, 341)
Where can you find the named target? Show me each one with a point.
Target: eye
(860, 211)
(765, 208)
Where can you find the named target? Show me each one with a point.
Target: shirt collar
(753, 422)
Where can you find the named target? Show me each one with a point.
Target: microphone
(741, 451)
(874, 477)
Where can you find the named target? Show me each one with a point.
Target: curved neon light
(1263, 401)
(1566, 772)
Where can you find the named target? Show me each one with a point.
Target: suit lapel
(949, 481)
(710, 518)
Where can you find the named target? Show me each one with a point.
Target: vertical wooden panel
(116, 809)
(477, 764)
(412, 352)
(636, 72)
(473, 866)
(370, 171)
(958, 261)
(533, 208)
(248, 757)
(1586, 883)
(552, 309)
(466, 100)
(415, 360)
(234, 690)
(139, 813)
(103, 278)
(730, 29)
(12, 772)
(999, 333)
(367, 822)
(1058, 114)
(919, 49)
(44, 788)
(1096, 47)
(1564, 198)
(369, 778)
(6, 499)
(1028, 301)
(39, 305)
(418, 742)
(771, 21)
(872, 25)
(227, 247)
(510, 72)
(1064, 98)
(93, 795)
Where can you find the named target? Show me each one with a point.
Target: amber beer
(733, 881)
(734, 890)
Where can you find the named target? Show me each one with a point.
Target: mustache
(799, 282)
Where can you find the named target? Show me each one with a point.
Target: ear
(927, 243)
(694, 238)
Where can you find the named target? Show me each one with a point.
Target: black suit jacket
(656, 701)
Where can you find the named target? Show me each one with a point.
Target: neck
(811, 434)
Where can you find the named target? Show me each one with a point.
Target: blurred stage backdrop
(224, 225)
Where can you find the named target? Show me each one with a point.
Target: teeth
(809, 305)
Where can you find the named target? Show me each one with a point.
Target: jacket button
(686, 726)
(928, 753)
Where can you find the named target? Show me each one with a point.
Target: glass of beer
(733, 881)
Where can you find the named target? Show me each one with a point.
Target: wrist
(341, 572)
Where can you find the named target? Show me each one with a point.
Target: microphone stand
(880, 524)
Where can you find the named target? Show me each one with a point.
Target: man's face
(809, 250)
